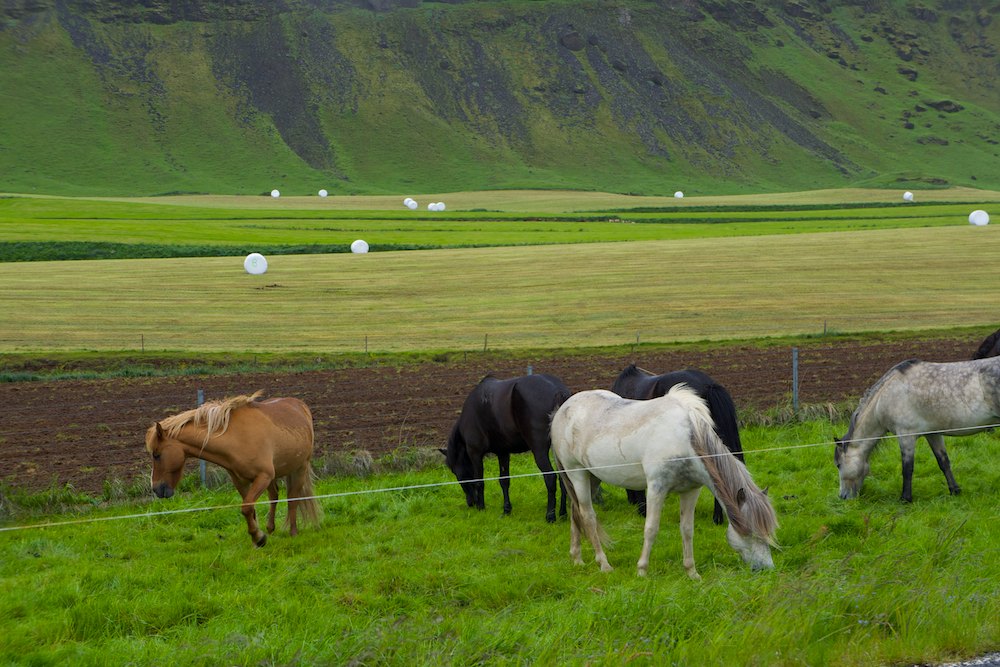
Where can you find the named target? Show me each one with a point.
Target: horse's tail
(732, 481)
(309, 506)
(723, 410)
(311, 510)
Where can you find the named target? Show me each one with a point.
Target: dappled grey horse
(918, 398)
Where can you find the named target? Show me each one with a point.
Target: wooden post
(795, 380)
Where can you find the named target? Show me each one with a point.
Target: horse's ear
(159, 431)
(765, 490)
(741, 496)
(443, 451)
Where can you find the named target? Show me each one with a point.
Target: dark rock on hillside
(536, 93)
(946, 106)
(257, 65)
(573, 41)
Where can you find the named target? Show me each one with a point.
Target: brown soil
(84, 432)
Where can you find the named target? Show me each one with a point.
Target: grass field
(546, 296)
(414, 577)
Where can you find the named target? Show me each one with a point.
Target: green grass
(41, 229)
(415, 577)
(483, 96)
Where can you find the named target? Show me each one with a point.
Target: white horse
(917, 398)
(662, 445)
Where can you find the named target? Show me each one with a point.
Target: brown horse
(255, 441)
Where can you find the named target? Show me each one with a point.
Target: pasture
(704, 275)
(412, 576)
(401, 572)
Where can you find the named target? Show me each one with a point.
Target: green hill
(141, 97)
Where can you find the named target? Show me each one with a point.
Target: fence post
(795, 381)
(201, 464)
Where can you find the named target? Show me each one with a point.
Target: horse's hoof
(906, 500)
(694, 576)
(261, 542)
(956, 491)
(551, 517)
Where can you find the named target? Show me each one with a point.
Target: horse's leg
(654, 507)
(478, 485)
(589, 525)
(637, 498)
(272, 496)
(718, 516)
(907, 445)
(574, 525)
(504, 460)
(294, 490)
(545, 465)
(936, 441)
(688, 501)
(253, 492)
(562, 497)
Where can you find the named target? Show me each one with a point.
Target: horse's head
(753, 540)
(853, 466)
(168, 461)
(460, 464)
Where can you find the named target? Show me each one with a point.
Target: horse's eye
(156, 457)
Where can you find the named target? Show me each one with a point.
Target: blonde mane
(213, 415)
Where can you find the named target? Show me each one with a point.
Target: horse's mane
(867, 399)
(214, 415)
(729, 474)
(632, 369)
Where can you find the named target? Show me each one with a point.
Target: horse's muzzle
(163, 490)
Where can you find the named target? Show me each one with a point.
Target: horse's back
(511, 415)
(283, 424)
(932, 396)
(600, 430)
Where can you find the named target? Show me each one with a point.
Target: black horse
(990, 347)
(505, 417)
(636, 383)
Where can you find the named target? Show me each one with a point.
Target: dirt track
(83, 432)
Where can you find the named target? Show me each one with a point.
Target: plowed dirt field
(84, 432)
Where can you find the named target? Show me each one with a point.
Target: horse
(638, 383)
(255, 441)
(505, 417)
(663, 445)
(990, 347)
(917, 398)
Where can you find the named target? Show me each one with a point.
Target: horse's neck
(866, 428)
(195, 443)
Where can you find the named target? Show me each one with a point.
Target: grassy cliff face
(646, 97)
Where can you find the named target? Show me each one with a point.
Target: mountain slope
(161, 96)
